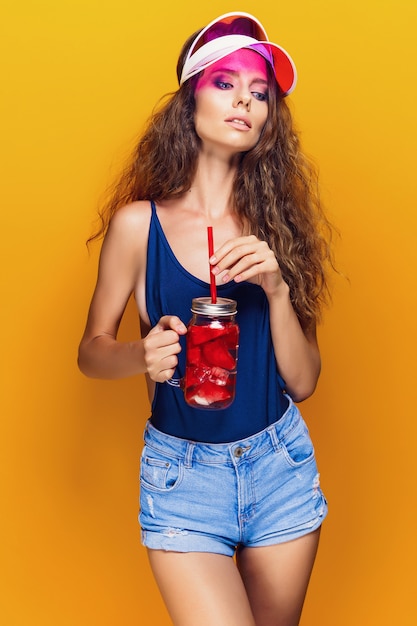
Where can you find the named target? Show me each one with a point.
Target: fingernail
(215, 271)
(212, 259)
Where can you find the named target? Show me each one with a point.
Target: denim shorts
(202, 497)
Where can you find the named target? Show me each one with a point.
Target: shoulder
(127, 234)
(129, 226)
(133, 217)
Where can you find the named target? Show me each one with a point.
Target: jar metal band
(204, 306)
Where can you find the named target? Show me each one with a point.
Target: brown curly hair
(275, 192)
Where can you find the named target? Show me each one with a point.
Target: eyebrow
(225, 70)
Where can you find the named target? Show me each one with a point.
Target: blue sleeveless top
(260, 399)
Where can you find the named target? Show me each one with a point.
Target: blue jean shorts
(260, 491)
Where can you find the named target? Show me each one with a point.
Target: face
(231, 99)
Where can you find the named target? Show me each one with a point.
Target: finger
(242, 258)
(238, 251)
(165, 369)
(230, 245)
(243, 270)
(251, 266)
(160, 338)
(161, 363)
(168, 322)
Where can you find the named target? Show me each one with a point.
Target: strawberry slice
(216, 353)
(208, 393)
(231, 337)
(201, 334)
(193, 355)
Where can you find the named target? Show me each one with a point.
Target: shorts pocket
(297, 445)
(159, 472)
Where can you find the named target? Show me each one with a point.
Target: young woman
(239, 482)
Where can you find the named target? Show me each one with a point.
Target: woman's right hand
(161, 346)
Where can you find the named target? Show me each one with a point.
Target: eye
(221, 84)
(258, 95)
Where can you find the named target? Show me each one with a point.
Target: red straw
(213, 290)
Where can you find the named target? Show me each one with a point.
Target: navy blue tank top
(260, 398)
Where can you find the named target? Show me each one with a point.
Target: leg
(276, 579)
(201, 588)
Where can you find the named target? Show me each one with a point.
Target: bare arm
(296, 350)
(121, 269)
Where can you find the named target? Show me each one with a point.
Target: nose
(243, 99)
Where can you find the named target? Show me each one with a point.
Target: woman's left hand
(296, 350)
(247, 258)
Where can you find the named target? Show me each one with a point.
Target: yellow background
(78, 79)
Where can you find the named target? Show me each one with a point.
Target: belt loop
(274, 438)
(189, 455)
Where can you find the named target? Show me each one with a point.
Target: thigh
(276, 579)
(201, 588)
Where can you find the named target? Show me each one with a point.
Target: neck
(212, 186)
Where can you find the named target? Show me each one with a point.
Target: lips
(239, 121)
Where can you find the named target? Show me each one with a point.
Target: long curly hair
(275, 193)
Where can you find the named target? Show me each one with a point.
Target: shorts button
(238, 452)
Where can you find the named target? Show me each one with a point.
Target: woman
(241, 481)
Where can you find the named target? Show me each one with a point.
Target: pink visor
(231, 32)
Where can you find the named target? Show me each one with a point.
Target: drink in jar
(211, 354)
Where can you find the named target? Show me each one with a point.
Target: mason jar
(211, 354)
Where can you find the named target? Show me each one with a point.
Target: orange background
(79, 78)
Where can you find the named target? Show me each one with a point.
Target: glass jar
(211, 354)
